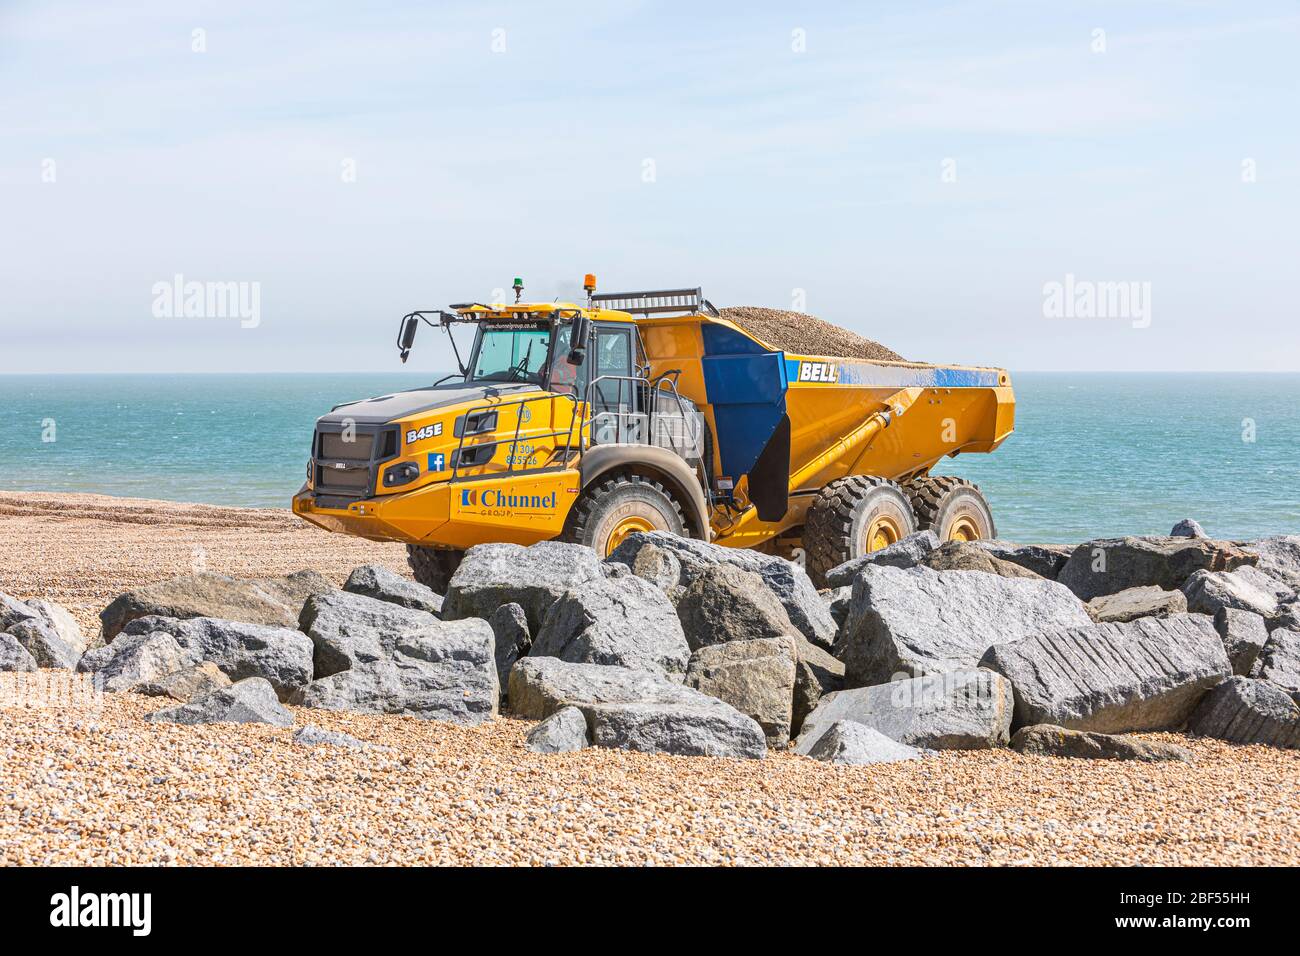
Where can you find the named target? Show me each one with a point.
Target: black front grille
(343, 480)
(347, 458)
(346, 446)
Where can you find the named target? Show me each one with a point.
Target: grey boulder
(787, 580)
(969, 556)
(1188, 528)
(1279, 660)
(61, 622)
(509, 626)
(44, 643)
(1246, 711)
(136, 659)
(1046, 740)
(1279, 558)
(347, 629)
(1045, 560)
(275, 600)
(1107, 565)
(623, 621)
(707, 728)
(13, 656)
(534, 578)
(539, 686)
(1133, 603)
(846, 742)
(12, 611)
(377, 581)
(817, 673)
(250, 701)
(756, 677)
(918, 621)
(313, 736)
(725, 603)
(562, 732)
(1244, 635)
(186, 684)
(958, 710)
(907, 552)
(446, 671)
(1148, 674)
(281, 655)
(1246, 589)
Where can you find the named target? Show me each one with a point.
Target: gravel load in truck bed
(805, 334)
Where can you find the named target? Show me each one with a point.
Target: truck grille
(334, 446)
(346, 461)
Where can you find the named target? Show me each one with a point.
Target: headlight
(403, 473)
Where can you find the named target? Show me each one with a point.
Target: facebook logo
(436, 461)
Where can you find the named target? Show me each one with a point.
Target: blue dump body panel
(746, 386)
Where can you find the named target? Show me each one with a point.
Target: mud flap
(769, 479)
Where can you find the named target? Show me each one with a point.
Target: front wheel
(953, 508)
(616, 506)
(851, 517)
(433, 567)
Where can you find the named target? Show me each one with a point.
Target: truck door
(616, 396)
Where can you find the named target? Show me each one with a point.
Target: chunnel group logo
(501, 502)
(76, 909)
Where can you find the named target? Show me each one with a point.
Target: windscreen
(512, 352)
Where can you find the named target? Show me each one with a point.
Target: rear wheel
(953, 508)
(619, 505)
(433, 567)
(851, 517)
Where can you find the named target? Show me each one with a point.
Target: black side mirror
(410, 325)
(578, 339)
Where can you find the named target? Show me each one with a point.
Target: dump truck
(649, 411)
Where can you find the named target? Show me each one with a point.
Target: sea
(1093, 454)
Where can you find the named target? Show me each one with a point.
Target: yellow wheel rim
(625, 527)
(963, 529)
(883, 531)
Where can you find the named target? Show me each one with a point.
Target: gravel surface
(104, 786)
(804, 334)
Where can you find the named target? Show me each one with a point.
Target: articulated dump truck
(649, 411)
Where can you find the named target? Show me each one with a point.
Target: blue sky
(494, 140)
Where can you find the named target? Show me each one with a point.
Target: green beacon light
(519, 288)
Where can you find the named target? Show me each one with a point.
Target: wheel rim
(963, 529)
(626, 526)
(883, 531)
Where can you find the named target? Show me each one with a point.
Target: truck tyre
(952, 507)
(614, 506)
(851, 517)
(433, 567)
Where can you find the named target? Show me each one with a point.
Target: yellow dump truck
(648, 410)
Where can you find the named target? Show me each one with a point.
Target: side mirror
(578, 339)
(410, 325)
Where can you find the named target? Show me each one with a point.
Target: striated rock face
(1279, 660)
(1244, 635)
(378, 582)
(1045, 740)
(918, 621)
(622, 621)
(787, 580)
(725, 603)
(1245, 711)
(846, 742)
(1107, 565)
(534, 578)
(755, 677)
(1145, 675)
(562, 732)
(272, 601)
(959, 710)
(136, 659)
(251, 701)
(1133, 603)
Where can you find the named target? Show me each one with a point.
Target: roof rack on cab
(656, 302)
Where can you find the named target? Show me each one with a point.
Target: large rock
(1188, 528)
(1148, 674)
(907, 552)
(756, 677)
(817, 673)
(136, 659)
(281, 655)
(1279, 558)
(44, 643)
(13, 656)
(1046, 740)
(275, 601)
(787, 580)
(187, 684)
(1045, 560)
(959, 710)
(622, 621)
(377, 581)
(1133, 603)
(711, 729)
(918, 621)
(348, 629)
(846, 742)
(1246, 711)
(539, 686)
(250, 701)
(1244, 635)
(61, 622)
(1279, 660)
(562, 732)
(1107, 565)
(12, 611)
(1246, 589)
(446, 671)
(969, 556)
(509, 626)
(534, 578)
(725, 603)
